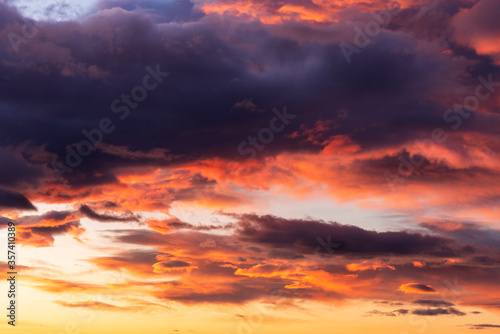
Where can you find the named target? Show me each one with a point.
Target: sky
(251, 166)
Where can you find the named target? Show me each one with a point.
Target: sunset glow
(250, 166)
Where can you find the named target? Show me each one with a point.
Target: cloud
(43, 236)
(417, 288)
(465, 232)
(230, 65)
(478, 28)
(247, 105)
(95, 305)
(139, 262)
(263, 251)
(369, 265)
(483, 326)
(171, 11)
(234, 293)
(39, 230)
(299, 237)
(172, 266)
(66, 286)
(242, 62)
(270, 12)
(389, 314)
(430, 302)
(16, 171)
(243, 69)
(173, 224)
(438, 311)
(302, 236)
(13, 200)
(49, 218)
(127, 217)
(176, 264)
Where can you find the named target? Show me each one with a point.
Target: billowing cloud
(438, 311)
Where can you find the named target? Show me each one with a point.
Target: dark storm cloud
(7, 14)
(219, 62)
(105, 218)
(43, 236)
(302, 235)
(389, 314)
